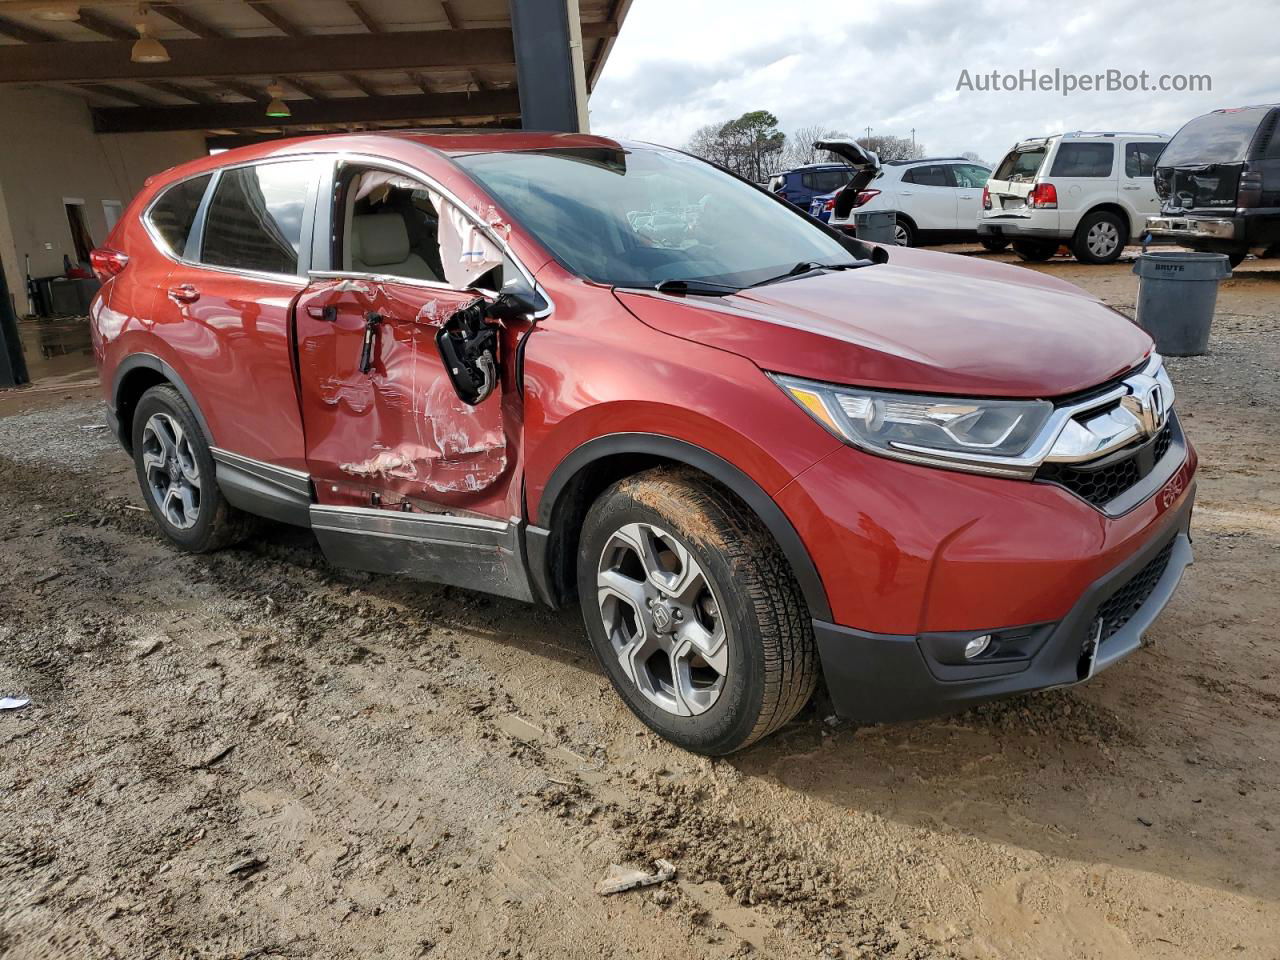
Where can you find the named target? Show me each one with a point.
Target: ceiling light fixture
(147, 49)
(58, 12)
(277, 107)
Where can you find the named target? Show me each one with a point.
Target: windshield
(1020, 164)
(1219, 137)
(639, 217)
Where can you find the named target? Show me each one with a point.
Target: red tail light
(830, 204)
(1044, 197)
(863, 196)
(986, 199)
(107, 263)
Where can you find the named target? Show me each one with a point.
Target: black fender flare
(669, 448)
(149, 361)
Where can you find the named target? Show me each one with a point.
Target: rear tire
(994, 244)
(1035, 251)
(904, 232)
(1237, 258)
(1100, 238)
(177, 475)
(694, 612)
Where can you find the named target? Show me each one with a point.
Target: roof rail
(905, 160)
(1113, 133)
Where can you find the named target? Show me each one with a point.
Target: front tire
(1100, 238)
(694, 612)
(904, 232)
(177, 475)
(1035, 251)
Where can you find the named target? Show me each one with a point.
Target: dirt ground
(252, 755)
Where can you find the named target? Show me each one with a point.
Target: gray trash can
(1176, 296)
(875, 226)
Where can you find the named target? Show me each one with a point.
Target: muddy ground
(252, 755)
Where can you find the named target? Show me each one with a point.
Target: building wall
(49, 153)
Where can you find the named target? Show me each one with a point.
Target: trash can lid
(1182, 265)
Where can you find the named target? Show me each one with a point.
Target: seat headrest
(379, 239)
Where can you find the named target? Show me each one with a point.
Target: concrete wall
(48, 152)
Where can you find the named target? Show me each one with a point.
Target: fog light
(976, 646)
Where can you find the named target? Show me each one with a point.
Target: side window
(809, 180)
(970, 175)
(254, 220)
(1140, 159)
(1078, 159)
(829, 180)
(172, 215)
(933, 175)
(396, 226)
(1273, 143)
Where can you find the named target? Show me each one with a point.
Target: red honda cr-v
(756, 451)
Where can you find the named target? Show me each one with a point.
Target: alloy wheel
(1102, 239)
(173, 474)
(662, 619)
(900, 235)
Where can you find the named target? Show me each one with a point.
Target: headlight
(985, 436)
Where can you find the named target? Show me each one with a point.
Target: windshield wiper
(809, 266)
(696, 288)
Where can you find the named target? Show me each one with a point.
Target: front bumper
(881, 677)
(1196, 228)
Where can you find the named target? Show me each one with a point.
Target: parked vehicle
(935, 199)
(1090, 191)
(768, 454)
(1219, 183)
(801, 185)
(821, 206)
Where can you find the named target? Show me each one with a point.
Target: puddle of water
(56, 347)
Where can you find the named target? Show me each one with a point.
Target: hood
(930, 322)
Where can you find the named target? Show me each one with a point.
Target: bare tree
(970, 155)
(889, 147)
(800, 150)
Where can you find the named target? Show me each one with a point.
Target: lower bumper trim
(1211, 228)
(874, 677)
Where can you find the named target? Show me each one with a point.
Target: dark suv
(1219, 183)
(801, 185)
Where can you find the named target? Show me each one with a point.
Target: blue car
(801, 185)
(820, 206)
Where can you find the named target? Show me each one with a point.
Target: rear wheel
(694, 613)
(176, 473)
(904, 232)
(1237, 258)
(1100, 238)
(994, 244)
(1035, 251)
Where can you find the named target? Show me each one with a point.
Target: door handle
(904, 193)
(371, 323)
(966, 196)
(327, 312)
(184, 293)
(1133, 188)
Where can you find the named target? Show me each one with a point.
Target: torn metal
(619, 879)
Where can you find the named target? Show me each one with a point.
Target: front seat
(380, 244)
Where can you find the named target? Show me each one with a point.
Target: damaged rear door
(414, 462)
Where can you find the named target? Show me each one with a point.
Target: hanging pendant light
(147, 49)
(277, 107)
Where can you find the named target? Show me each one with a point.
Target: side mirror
(515, 304)
(468, 345)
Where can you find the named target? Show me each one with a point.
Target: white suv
(934, 199)
(1092, 191)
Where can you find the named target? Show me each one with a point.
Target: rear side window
(1020, 165)
(1140, 159)
(1083, 160)
(172, 215)
(254, 220)
(970, 175)
(934, 175)
(824, 181)
(1219, 137)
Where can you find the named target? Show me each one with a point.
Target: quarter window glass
(1083, 160)
(255, 218)
(173, 214)
(1140, 159)
(970, 175)
(934, 175)
(1020, 165)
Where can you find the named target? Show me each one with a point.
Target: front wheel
(904, 232)
(694, 612)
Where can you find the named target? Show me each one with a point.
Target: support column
(549, 69)
(13, 365)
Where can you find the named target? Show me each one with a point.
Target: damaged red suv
(758, 453)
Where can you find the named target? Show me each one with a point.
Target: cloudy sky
(894, 64)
